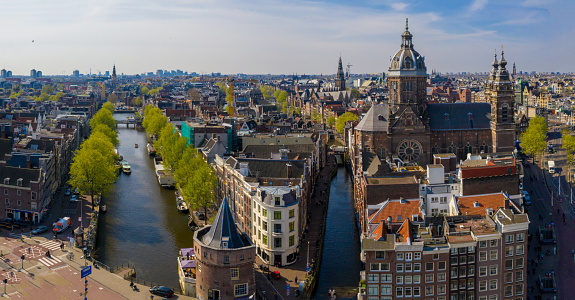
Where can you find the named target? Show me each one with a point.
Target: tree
(112, 135)
(109, 106)
(222, 85)
(344, 118)
(282, 97)
(92, 172)
(113, 98)
(48, 89)
(267, 91)
(277, 93)
(60, 87)
(533, 140)
(197, 180)
(355, 94)
(171, 146)
(144, 90)
(138, 101)
(231, 107)
(103, 116)
(194, 95)
(154, 120)
(331, 121)
(42, 97)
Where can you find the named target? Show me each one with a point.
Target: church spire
(340, 77)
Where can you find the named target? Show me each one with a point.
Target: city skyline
(307, 38)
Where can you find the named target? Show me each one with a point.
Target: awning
(187, 252)
(186, 264)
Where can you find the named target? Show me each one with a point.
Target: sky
(281, 37)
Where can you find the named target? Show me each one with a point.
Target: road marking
(51, 245)
(48, 262)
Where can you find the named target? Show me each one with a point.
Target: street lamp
(23, 257)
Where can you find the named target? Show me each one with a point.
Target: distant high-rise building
(159, 73)
(107, 73)
(114, 77)
(8, 74)
(33, 73)
(3, 73)
(76, 74)
(38, 74)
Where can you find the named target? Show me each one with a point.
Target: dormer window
(19, 182)
(380, 117)
(7, 180)
(277, 201)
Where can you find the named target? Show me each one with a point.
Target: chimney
(28, 162)
(217, 138)
(402, 200)
(389, 219)
(289, 170)
(214, 136)
(476, 204)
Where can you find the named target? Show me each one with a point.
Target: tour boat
(135, 145)
(182, 206)
(126, 167)
(165, 177)
(103, 208)
(151, 150)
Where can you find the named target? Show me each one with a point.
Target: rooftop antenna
(406, 24)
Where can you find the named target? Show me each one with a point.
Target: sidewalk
(313, 238)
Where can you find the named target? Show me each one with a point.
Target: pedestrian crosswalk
(51, 245)
(18, 235)
(50, 261)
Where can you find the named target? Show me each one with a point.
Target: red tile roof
(467, 203)
(395, 208)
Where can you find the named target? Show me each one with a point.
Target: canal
(142, 225)
(340, 263)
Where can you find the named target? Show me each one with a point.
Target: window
(373, 289)
(429, 266)
(519, 263)
(399, 267)
(379, 254)
(226, 259)
(399, 256)
(408, 268)
(434, 212)
(277, 201)
(408, 292)
(408, 256)
(19, 203)
(386, 289)
(416, 291)
(277, 242)
(470, 270)
(519, 249)
(291, 240)
(493, 297)
(277, 215)
(429, 278)
(434, 199)
(428, 290)
(399, 279)
(19, 192)
(493, 284)
(470, 283)
(386, 278)
(520, 237)
(441, 277)
(435, 256)
(408, 280)
(509, 251)
(416, 279)
(453, 273)
(240, 289)
(278, 228)
(482, 271)
(443, 200)
(463, 259)
(508, 264)
(483, 286)
(441, 289)
(399, 292)
(454, 260)
(416, 267)
(265, 226)
(493, 243)
(509, 239)
(519, 289)
(493, 270)
(7, 201)
(33, 195)
(291, 226)
(372, 278)
(453, 285)
(508, 277)
(291, 213)
(508, 291)
(385, 267)
(264, 212)
(483, 244)
(374, 267)
(5, 192)
(519, 276)
(471, 249)
(441, 265)
(235, 273)
(265, 240)
(470, 259)
(493, 254)
(482, 255)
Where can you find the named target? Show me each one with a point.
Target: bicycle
(70, 256)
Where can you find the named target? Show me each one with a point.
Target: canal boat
(103, 209)
(126, 167)
(135, 145)
(182, 206)
(191, 224)
(165, 177)
(151, 150)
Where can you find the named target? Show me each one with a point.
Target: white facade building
(275, 222)
(436, 191)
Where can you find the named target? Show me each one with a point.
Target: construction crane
(347, 69)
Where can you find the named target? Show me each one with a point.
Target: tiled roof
(372, 120)
(459, 116)
(405, 231)
(467, 203)
(224, 230)
(393, 209)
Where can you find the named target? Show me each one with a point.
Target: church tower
(114, 77)
(500, 94)
(340, 77)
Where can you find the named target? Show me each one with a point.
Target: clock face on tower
(409, 150)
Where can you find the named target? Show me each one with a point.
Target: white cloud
(478, 5)
(399, 6)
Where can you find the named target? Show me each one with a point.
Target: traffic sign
(86, 271)
(287, 290)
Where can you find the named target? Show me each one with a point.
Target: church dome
(407, 61)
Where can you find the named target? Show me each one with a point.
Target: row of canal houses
(37, 142)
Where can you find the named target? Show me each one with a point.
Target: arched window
(452, 149)
(435, 149)
(467, 149)
(381, 153)
(408, 64)
(504, 113)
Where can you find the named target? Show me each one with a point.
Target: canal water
(340, 263)
(142, 225)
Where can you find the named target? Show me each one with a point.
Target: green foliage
(59, 87)
(267, 91)
(48, 89)
(112, 135)
(113, 98)
(231, 107)
(42, 97)
(171, 145)
(355, 94)
(344, 118)
(144, 90)
(533, 140)
(155, 91)
(196, 179)
(109, 106)
(282, 97)
(568, 145)
(104, 117)
(138, 101)
(154, 120)
(14, 94)
(315, 116)
(222, 85)
(331, 121)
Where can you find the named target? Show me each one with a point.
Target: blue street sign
(287, 290)
(86, 271)
(307, 268)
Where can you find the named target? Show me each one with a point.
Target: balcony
(277, 233)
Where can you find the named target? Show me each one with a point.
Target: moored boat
(135, 145)
(151, 150)
(182, 206)
(126, 167)
(103, 208)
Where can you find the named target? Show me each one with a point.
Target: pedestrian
(276, 296)
(296, 279)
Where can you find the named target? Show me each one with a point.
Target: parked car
(526, 198)
(200, 215)
(39, 230)
(276, 275)
(73, 198)
(162, 291)
(67, 192)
